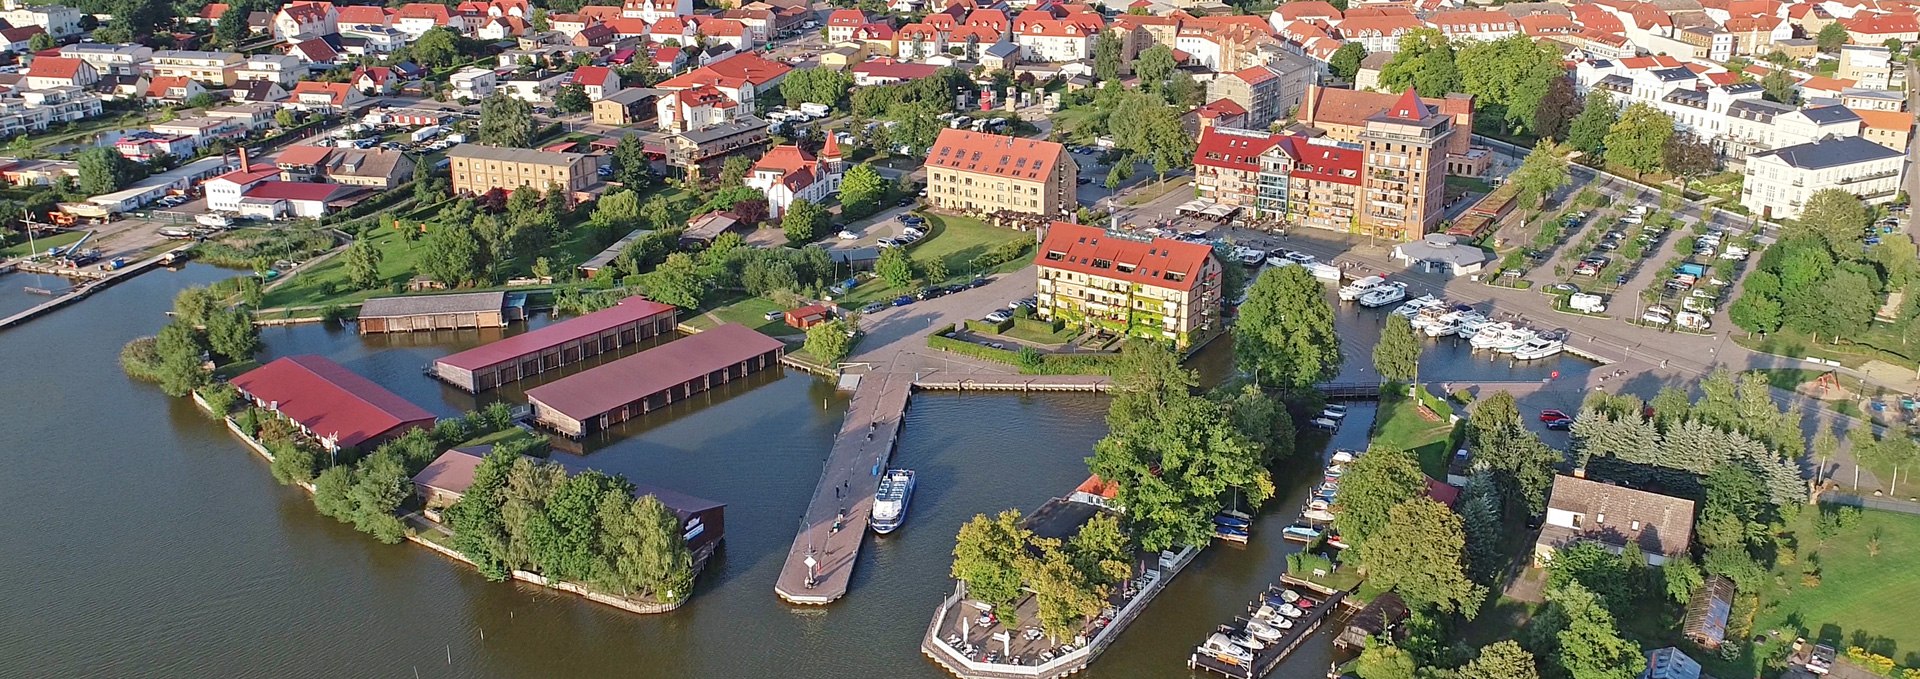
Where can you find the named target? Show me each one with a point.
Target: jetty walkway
(88, 287)
(835, 524)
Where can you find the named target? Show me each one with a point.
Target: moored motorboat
(1470, 324)
(1416, 305)
(1354, 290)
(1301, 533)
(890, 501)
(1383, 295)
(1538, 348)
(1223, 649)
(1513, 339)
(1489, 335)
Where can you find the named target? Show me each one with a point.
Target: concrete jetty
(86, 288)
(836, 520)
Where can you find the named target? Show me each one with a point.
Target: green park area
(1402, 425)
(326, 283)
(25, 248)
(1846, 582)
(748, 311)
(965, 247)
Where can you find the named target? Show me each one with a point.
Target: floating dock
(836, 520)
(1269, 656)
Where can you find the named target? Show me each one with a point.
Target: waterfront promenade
(836, 516)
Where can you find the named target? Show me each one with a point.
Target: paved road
(896, 336)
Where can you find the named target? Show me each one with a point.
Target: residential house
(1265, 92)
(597, 81)
(416, 18)
(172, 89)
(225, 191)
(477, 169)
(842, 23)
(1867, 28)
(1779, 182)
(59, 21)
(656, 10)
(1342, 115)
(979, 173)
(1892, 129)
(258, 91)
(364, 19)
(109, 59)
(50, 72)
(886, 71)
(473, 83)
(741, 77)
(302, 20)
(249, 117)
(1158, 288)
(1869, 66)
(1612, 516)
(322, 97)
(633, 106)
(372, 168)
(219, 69)
(1226, 164)
(280, 69)
(538, 87)
(274, 199)
(375, 80)
(703, 150)
(142, 145)
(19, 39)
(787, 173)
(1042, 37)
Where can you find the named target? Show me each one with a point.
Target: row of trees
(203, 328)
(1821, 280)
(525, 514)
(1001, 561)
(1514, 79)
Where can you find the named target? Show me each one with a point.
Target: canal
(142, 540)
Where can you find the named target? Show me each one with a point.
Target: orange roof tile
(1160, 262)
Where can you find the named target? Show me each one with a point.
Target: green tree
(1420, 552)
(804, 221)
(1345, 62)
(861, 189)
(196, 305)
(616, 211)
(829, 342)
(103, 170)
(1385, 661)
(1543, 172)
(231, 28)
(1779, 85)
(40, 42)
(815, 85)
(479, 527)
(1063, 598)
(1835, 216)
(1182, 90)
(1106, 56)
(1285, 332)
(1397, 356)
(1520, 463)
(1153, 65)
(1688, 157)
(1598, 570)
(363, 263)
(1424, 63)
(987, 555)
(572, 99)
(1831, 37)
(179, 350)
(733, 172)
(452, 254)
(1680, 577)
(232, 335)
(1501, 660)
(1374, 484)
(436, 47)
(1588, 131)
(1557, 108)
(1589, 645)
(630, 165)
(1637, 140)
(1174, 463)
(505, 121)
(641, 543)
(1101, 551)
(895, 268)
(677, 281)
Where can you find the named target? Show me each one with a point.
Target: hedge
(988, 327)
(1050, 364)
(1039, 326)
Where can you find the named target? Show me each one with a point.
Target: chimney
(244, 167)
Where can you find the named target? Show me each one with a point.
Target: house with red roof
(365, 18)
(787, 173)
(1877, 28)
(726, 32)
(1042, 37)
(50, 72)
(301, 20)
(172, 88)
(1377, 33)
(885, 71)
(842, 23)
(918, 41)
(19, 39)
(741, 77)
(697, 107)
(275, 199)
(597, 81)
(330, 403)
(315, 51)
(1303, 10)
(1226, 164)
(1173, 284)
(374, 79)
(415, 18)
(224, 192)
(1475, 24)
(1223, 113)
(308, 95)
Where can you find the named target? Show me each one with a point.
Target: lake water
(143, 540)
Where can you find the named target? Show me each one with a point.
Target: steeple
(1409, 107)
(830, 154)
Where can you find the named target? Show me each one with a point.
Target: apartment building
(1404, 184)
(58, 21)
(36, 110)
(979, 173)
(280, 69)
(217, 68)
(1157, 288)
(1226, 164)
(1266, 92)
(1342, 116)
(705, 149)
(1870, 67)
(110, 59)
(478, 169)
(1778, 182)
(473, 83)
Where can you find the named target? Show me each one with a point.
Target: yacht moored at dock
(1354, 290)
(890, 501)
(1384, 295)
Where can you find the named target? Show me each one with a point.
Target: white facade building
(1778, 182)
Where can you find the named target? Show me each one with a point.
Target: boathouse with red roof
(635, 319)
(332, 404)
(578, 405)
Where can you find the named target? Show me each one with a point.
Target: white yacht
(1417, 305)
(1513, 339)
(1223, 648)
(1471, 324)
(1489, 334)
(1538, 348)
(1354, 290)
(890, 501)
(1383, 295)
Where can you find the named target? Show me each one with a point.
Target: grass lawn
(1791, 378)
(1064, 336)
(502, 436)
(1473, 184)
(1399, 426)
(953, 240)
(24, 248)
(1856, 600)
(1877, 343)
(326, 283)
(750, 312)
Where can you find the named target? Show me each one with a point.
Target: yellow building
(216, 68)
(1157, 288)
(478, 169)
(984, 174)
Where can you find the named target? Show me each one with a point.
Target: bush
(1463, 396)
(220, 398)
(140, 360)
(292, 464)
(1049, 364)
(1036, 325)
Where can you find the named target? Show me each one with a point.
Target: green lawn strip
(750, 312)
(1064, 336)
(308, 287)
(1877, 342)
(1399, 426)
(502, 436)
(25, 249)
(955, 241)
(1857, 598)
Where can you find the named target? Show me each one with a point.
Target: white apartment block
(1778, 182)
(110, 59)
(58, 20)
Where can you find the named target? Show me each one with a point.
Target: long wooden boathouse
(458, 311)
(578, 405)
(634, 319)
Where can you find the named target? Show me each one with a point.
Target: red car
(1553, 416)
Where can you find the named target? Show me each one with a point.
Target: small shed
(447, 478)
(1383, 615)
(808, 316)
(1707, 613)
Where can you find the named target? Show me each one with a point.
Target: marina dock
(88, 287)
(835, 523)
(1094, 383)
(1269, 657)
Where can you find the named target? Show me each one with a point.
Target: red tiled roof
(1881, 24)
(1098, 487)
(591, 75)
(1092, 251)
(1221, 107)
(1306, 9)
(1324, 162)
(452, 471)
(629, 310)
(302, 155)
(1010, 157)
(258, 172)
(1232, 149)
(336, 92)
(847, 18)
(888, 68)
(730, 72)
(1900, 121)
(424, 10)
(364, 14)
(310, 191)
(330, 400)
(1825, 84)
(609, 386)
(54, 67)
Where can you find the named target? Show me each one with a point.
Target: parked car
(870, 308)
(772, 315)
(1551, 415)
(1560, 425)
(902, 300)
(849, 235)
(1000, 316)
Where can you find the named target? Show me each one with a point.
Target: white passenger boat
(1538, 348)
(890, 501)
(1354, 290)
(1417, 305)
(1489, 334)
(1471, 324)
(1383, 295)
(1513, 339)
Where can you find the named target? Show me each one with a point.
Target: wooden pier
(81, 291)
(1265, 659)
(835, 524)
(1094, 383)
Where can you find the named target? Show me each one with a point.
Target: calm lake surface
(142, 540)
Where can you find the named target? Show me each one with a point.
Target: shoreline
(413, 535)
